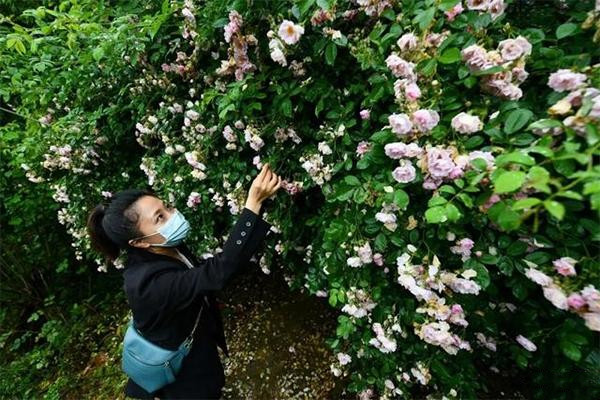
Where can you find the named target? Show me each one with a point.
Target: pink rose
(510, 50)
(556, 296)
(405, 172)
(400, 124)
(454, 11)
(407, 42)
(575, 301)
(412, 91)
(425, 120)
(480, 5)
(565, 79)
(365, 114)
(465, 123)
(439, 162)
(400, 68)
(565, 266)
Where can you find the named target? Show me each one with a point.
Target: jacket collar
(136, 255)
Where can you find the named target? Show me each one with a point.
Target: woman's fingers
(260, 178)
(273, 180)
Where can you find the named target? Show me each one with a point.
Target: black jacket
(165, 297)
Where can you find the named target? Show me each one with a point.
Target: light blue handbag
(149, 365)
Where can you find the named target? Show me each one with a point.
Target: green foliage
(135, 94)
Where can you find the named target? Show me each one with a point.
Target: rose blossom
(556, 296)
(425, 120)
(405, 172)
(400, 68)
(480, 5)
(565, 79)
(412, 91)
(362, 148)
(439, 162)
(454, 11)
(538, 277)
(407, 42)
(511, 49)
(592, 320)
(400, 123)
(565, 266)
(365, 114)
(575, 301)
(397, 150)
(465, 123)
(290, 32)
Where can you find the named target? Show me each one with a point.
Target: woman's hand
(264, 186)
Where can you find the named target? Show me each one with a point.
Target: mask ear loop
(141, 237)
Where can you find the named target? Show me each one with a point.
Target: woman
(166, 284)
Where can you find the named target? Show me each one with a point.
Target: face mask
(174, 231)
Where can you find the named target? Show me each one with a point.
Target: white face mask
(174, 231)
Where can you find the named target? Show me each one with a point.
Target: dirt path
(276, 341)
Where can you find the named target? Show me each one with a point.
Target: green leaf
(427, 67)
(591, 187)
(545, 123)
(565, 30)
(401, 198)
(98, 53)
(555, 208)
(516, 120)
(330, 53)
(450, 56)
(538, 178)
(286, 107)
(452, 212)
(503, 216)
(352, 180)
(488, 71)
(509, 181)
(424, 18)
(435, 215)
(525, 203)
(514, 157)
(570, 350)
(436, 201)
(446, 5)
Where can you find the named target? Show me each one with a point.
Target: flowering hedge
(440, 162)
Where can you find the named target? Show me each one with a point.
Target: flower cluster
(67, 158)
(319, 171)
(384, 333)
(582, 102)
(586, 302)
(387, 216)
(437, 163)
(342, 359)
(359, 302)
(423, 282)
(288, 34)
(373, 8)
(510, 57)
(238, 62)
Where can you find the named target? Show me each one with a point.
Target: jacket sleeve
(177, 289)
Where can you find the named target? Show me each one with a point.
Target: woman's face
(153, 213)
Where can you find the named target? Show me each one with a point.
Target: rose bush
(441, 155)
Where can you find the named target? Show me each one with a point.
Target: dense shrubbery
(440, 161)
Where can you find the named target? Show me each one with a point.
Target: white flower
(290, 32)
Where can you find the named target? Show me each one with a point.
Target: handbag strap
(191, 335)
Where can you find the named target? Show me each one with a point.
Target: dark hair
(111, 226)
